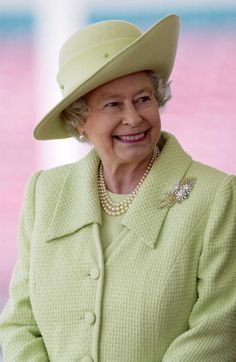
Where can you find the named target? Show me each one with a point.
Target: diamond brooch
(179, 192)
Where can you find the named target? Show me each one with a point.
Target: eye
(111, 104)
(143, 99)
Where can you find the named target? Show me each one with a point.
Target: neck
(123, 178)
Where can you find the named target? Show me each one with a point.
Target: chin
(134, 155)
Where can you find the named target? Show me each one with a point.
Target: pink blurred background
(201, 113)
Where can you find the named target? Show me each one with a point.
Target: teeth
(132, 138)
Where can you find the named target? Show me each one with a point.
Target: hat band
(85, 64)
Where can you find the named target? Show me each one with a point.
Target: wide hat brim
(154, 50)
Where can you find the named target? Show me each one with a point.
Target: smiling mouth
(131, 138)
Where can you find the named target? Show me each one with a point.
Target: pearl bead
(118, 208)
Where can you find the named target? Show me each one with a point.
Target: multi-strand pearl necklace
(118, 208)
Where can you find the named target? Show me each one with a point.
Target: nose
(130, 115)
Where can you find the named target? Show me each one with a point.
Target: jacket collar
(78, 204)
(145, 217)
(78, 201)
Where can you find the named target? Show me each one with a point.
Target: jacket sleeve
(20, 337)
(212, 323)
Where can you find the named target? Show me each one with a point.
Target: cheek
(99, 127)
(155, 123)
(101, 138)
(153, 119)
(157, 120)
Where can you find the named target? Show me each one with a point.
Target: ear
(80, 130)
(82, 134)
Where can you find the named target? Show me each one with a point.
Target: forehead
(129, 84)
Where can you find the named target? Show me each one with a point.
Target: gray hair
(75, 114)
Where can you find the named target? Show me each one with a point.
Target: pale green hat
(104, 51)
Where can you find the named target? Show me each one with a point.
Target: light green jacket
(165, 291)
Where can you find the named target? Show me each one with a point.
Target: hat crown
(105, 51)
(95, 34)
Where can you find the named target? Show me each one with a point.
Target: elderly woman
(128, 254)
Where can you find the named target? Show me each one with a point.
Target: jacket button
(95, 272)
(87, 359)
(89, 318)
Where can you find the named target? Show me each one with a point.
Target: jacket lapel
(145, 217)
(78, 202)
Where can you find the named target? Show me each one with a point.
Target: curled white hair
(75, 114)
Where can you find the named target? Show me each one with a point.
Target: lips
(131, 138)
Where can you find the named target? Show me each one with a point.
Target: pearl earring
(82, 137)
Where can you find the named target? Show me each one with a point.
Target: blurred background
(201, 113)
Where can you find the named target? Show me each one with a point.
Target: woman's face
(124, 122)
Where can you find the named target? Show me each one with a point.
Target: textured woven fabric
(165, 291)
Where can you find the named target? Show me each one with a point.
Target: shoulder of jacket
(206, 173)
(209, 179)
(53, 178)
(58, 172)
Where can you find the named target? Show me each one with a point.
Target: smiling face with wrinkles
(124, 121)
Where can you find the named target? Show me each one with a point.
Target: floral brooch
(179, 192)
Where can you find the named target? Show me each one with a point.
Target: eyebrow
(106, 95)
